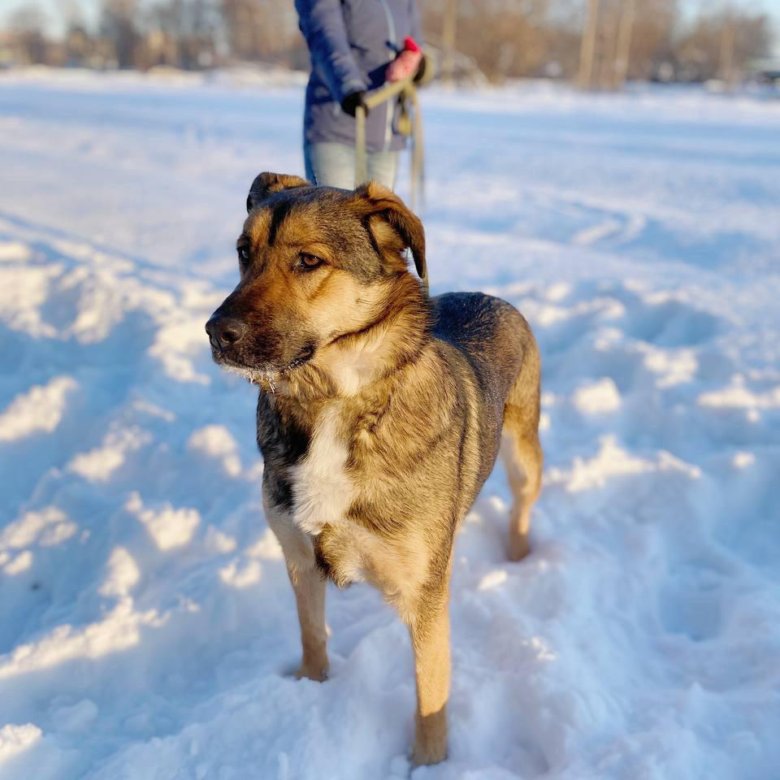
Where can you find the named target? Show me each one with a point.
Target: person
(355, 46)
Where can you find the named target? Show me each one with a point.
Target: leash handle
(407, 89)
(418, 152)
(361, 154)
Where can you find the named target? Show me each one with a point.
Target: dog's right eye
(309, 262)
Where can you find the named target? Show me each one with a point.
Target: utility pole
(448, 35)
(588, 45)
(625, 33)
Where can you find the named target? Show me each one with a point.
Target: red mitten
(406, 63)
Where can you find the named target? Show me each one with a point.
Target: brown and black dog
(380, 410)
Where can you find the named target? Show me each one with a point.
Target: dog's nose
(225, 331)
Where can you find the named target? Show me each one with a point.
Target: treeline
(598, 43)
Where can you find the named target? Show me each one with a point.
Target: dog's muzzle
(232, 346)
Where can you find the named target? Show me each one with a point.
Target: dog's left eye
(307, 262)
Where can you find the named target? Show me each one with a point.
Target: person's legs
(330, 164)
(382, 167)
(333, 165)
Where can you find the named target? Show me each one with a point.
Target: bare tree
(720, 44)
(27, 26)
(653, 37)
(183, 33)
(588, 45)
(449, 32)
(262, 29)
(119, 26)
(624, 37)
(595, 42)
(564, 27)
(728, 35)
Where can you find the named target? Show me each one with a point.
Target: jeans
(333, 165)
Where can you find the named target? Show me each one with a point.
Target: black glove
(351, 102)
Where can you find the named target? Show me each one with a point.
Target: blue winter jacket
(350, 44)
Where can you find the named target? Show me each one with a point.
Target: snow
(39, 409)
(148, 629)
(15, 739)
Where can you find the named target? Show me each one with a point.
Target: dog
(380, 411)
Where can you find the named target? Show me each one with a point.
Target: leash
(406, 90)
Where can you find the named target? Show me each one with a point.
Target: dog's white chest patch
(322, 489)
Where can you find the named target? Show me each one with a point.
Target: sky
(55, 10)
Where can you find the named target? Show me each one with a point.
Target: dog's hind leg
(522, 452)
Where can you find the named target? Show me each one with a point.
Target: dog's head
(316, 264)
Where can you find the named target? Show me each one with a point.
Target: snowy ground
(147, 629)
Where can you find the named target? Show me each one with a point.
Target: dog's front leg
(309, 587)
(430, 632)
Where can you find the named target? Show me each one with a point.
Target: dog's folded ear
(266, 184)
(375, 199)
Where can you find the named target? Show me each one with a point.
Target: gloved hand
(351, 102)
(407, 63)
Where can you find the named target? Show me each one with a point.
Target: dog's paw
(519, 547)
(427, 753)
(430, 743)
(316, 672)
